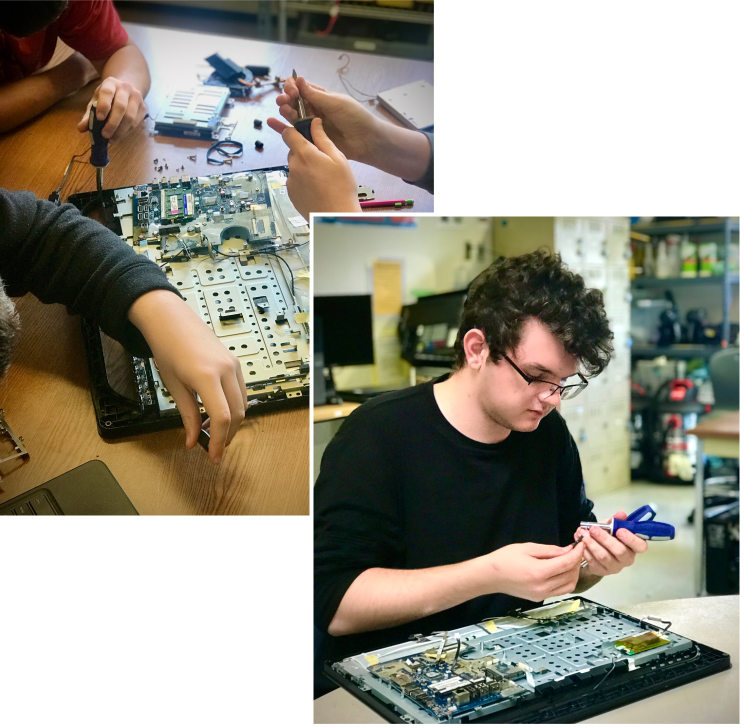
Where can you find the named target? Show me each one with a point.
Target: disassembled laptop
(228, 243)
(542, 665)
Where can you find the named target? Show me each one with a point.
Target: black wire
(217, 147)
(225, 256)
(607, 674)
(55, 196)
(341, 71)
(98, 198)
(291, 275)
(457, 654)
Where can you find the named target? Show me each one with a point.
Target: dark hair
(21, 19)
(539, 285)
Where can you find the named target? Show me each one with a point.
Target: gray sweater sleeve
(427, 181)
(63, 257)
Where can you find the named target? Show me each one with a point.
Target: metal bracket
(19, 447)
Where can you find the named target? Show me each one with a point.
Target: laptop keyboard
(38, 505)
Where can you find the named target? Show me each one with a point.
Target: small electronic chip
(640, 643)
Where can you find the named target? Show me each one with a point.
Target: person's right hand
(536, 571)
(352, 128)
(320, 178)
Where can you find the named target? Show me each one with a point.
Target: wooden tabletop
(46, 400)
(723, 427)
(36, 154)
(325, 412)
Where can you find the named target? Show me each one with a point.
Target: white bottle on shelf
(662, 261)
(674, 259)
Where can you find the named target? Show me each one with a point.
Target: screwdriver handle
(98, 144)
(648, 530)
(303, 126)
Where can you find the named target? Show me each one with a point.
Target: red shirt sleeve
(89, 26)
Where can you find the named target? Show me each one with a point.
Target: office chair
(723, 367)
(724, 376)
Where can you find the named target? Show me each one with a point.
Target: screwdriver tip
(294, 74)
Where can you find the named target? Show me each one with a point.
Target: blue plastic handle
(641, 513)
(648, 529)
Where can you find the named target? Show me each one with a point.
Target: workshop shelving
(695, 226)
(423, 14)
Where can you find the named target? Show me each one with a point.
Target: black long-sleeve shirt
(426, 182)
(63, 257)
(401, 488)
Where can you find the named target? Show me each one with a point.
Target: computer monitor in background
(347, 329)
(320, 396)
(428, 329)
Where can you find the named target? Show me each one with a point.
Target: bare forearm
(128, 64)
(401, 152)
(24, 99)
(380, 598)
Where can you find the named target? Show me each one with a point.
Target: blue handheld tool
(98, 145)
(641, 523)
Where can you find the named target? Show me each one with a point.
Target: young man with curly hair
(460, 499)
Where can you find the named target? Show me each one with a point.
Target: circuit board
(484, 671)
(236, 248)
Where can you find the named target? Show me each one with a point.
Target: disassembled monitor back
(229, 244)
(559, 663)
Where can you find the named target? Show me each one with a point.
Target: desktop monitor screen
(347, 329)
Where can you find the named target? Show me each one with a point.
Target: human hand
(320, 178)
(124, 102)
(191, 359)
(536, 571)
(351, 127)
(606, 554)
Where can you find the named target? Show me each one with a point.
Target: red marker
(385, 203)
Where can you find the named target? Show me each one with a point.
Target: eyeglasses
(567, 391)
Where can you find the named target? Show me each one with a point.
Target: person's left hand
(607, 554)
(125, 103)
(320, 178)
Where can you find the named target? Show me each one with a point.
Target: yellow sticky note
(371, 659)
(302, 318)
(387, 277)
(490, 626)
(303, 274)
(276, 185)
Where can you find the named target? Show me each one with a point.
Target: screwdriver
(641, 523)
(98, 145)
(303, 122)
